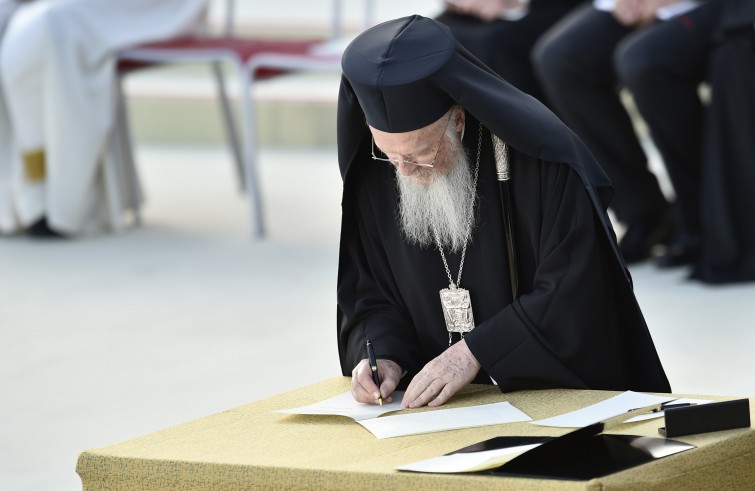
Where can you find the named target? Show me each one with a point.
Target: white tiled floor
(108, 338)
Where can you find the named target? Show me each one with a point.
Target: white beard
(443, 207)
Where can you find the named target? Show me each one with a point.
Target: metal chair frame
(244, 143)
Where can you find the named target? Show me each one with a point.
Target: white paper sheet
(444, 419)
(511, 13)
(345, 405)
(663, 13)
(614, 406)
(676, 9)
(515, 14)
(467, 462)
(604, 5)
(332, 48)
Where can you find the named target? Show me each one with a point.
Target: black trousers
(663, 67)
(709, 151)
(574, 62)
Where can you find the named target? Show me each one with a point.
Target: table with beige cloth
(253, 447)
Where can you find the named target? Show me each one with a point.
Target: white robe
(57, 68)
(8, 154)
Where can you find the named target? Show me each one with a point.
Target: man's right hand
(364, 389)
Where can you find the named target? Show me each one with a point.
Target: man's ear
(459, 120)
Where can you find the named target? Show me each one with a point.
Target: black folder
(583, 454)
(588, 457)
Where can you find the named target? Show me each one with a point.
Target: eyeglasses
(396, 162)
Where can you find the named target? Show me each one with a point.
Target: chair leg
(249, 137)
(230, 125)
(127, 156)
(111, 174)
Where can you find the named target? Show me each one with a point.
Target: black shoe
(677, 255)
(637, 243)
(41, 230)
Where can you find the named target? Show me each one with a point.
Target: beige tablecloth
(253, 447)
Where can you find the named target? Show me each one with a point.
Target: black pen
(667, 405)
(373, 365)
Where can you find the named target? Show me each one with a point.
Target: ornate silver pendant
(457, 310)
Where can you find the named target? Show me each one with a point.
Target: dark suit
(505, 46)
(708, 150)
(574, 63)
(663, 67)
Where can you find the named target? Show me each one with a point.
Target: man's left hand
(442, 377)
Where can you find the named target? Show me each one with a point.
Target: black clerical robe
(576, 323)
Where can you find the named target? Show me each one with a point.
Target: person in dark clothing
(545, 299)
(574, 62)
(502, 33)
(709, 150)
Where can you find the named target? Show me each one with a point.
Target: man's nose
(406, 169)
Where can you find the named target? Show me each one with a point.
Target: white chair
(251, 60)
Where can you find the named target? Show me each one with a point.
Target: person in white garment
(7, 151)
(57, 82)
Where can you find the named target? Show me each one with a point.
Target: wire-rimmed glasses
(396, 162)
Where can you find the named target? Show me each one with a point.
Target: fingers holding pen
(364, 389)
(390, 375)
(362, 386)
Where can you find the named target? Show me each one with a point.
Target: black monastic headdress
(404, 74)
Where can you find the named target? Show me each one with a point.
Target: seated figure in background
(708, 148)
(501, 33)
(574, 62)
(57, 82)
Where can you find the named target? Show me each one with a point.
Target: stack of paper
(412, 424)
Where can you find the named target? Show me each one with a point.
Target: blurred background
(114, 336)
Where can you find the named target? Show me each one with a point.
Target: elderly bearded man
(423, 212)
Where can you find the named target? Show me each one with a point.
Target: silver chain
(470, 220)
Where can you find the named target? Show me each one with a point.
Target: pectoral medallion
(457, 306)
(457, 310)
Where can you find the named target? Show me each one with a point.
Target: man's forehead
(408, 140)
(413, 134)
(416, 135)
